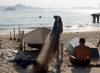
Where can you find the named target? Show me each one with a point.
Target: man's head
(82, 41)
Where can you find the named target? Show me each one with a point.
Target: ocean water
(73, 20)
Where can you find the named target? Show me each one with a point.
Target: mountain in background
(3, 7)
(23, 7)
(20, 7)
(10, 9)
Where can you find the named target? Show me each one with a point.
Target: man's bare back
(81, 54)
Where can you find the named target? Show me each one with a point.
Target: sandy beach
(6, 66)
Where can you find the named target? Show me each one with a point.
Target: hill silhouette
(20, 7)
(10, 9)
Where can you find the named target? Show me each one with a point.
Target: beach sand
(91, 36)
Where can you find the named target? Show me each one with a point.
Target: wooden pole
(10, 36)
(21, 43)
(18, 34)
(97, 19)
(58, 66)
(61, 52)
(14, 35)
(0, 43)
(94, 18)
(24, 46)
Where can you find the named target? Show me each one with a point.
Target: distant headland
(20, 7)
(10, 9)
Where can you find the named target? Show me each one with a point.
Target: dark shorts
(77, 62)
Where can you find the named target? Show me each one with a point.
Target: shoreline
(26, 29)
(6, 32)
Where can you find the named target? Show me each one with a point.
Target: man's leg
(72, 58)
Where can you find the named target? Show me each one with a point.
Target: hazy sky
(52, 3)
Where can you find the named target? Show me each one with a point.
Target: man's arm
(74, 52)
(89, 53)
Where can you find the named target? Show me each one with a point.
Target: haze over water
(73, 20)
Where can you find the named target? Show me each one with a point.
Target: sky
(52, 3)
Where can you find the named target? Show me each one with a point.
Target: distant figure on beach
(39, 16)
(81, 54)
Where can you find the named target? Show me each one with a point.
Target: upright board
(75, 42)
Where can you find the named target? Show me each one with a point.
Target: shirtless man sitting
(81, 54)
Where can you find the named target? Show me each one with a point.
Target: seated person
(81, 54)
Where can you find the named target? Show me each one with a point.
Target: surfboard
(75, 42)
